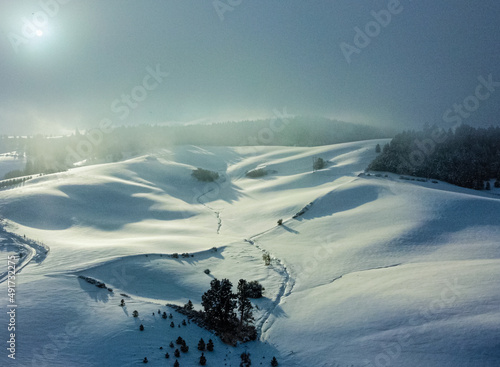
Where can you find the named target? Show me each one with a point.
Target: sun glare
(39, 32)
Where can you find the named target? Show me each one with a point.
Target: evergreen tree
(164, 315)
(141, 328)
(245, 360)
(171, 345)
(244, 304)
(145, 360)
(210, 345)
(176, 364)
(203, 360)
(189, 305)
(135, 313)
(122, 303)
(179, 341)
(488, 185)
(167, 355)
(184, 348)
(172, 324)
(274, 362)
(177, 354)
(219, 304)
(201, 344)
(377, 149)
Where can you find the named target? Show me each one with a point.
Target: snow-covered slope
(375, 271)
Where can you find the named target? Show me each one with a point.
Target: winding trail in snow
(217, 213)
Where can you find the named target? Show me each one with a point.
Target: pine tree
(172, 324)
(122, 303)
(244, 304)
(219, 304)
(245, 360)
(135, 313)
(210, 345)
(141, 328)
(167, 355)
(184, 348)
(179, 341)
(171, 345)
(184, 323)
(274, 362)
(201, 344)
(145, 360)
(488, 185)
(189, 305)
(164, 315)
(177, 354)
(176, 364)
(377, 148)
(203, 360)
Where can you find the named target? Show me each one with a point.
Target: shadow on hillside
(341, 200)
(95, 293)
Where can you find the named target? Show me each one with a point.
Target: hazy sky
(73, 63)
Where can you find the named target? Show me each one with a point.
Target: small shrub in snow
(177, 354)
(280, 222)
(210, 345)
(207, 271)
(172, 324)
(274, 362)
(184, 323)
(176, 364)
(122, 303)
(245, 360)
(175, 255)
(267, 258)
(164, 315)
(203, 360)
(205, 175)
(135, 313)
(141, 328)
(167, 356)
(145, 360)
(254, 289)
(184, 348)
(171, 345)
(179, 341)
(201, 344)
(214, 249)
(256, 173)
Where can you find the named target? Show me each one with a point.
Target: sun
(39, 32)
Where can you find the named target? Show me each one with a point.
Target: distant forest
(466, 157)
(53, 154)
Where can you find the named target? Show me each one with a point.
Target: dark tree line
(466, 157)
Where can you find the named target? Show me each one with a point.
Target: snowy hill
(366, 270)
